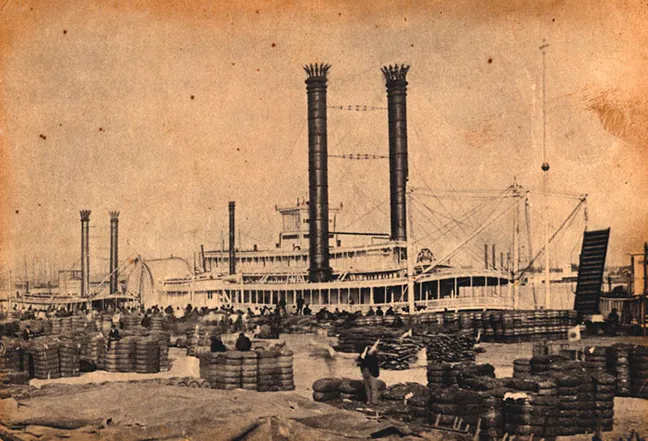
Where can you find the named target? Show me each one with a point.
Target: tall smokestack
(319, 269)
(85, 253)
(114, 250)
(397, 114)
(232, 238)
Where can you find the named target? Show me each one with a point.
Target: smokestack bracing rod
(85, 253)
(232, 238)
(114, 250)
(395, 77)
(318, 226)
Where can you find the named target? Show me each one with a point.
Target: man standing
(368, 362)
(300, 305)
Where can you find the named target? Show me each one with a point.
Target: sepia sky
(167, 110)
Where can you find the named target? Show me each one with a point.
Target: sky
(166, 111)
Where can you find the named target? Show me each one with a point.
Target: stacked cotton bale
(69, 357)
(529, 414)
(200, 335)
(352, 390)
(453, 404)
(268, 369)
(521, 368)
(163, 339)
(10, 355)
(157, 322)
(450, 348)
(147, 359)
(410, 400)
(131, 321)
(221, 369)
(250, 370)
(438, 374)
(639, 372)
(285, 374)
(45, 355)
(575, 392)
(98, 350)
(336, 389)
(595, 358)
(327, 389)
(618, 364)
(605, 389)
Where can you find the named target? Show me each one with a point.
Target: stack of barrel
(639, 372)
(605, 389)
(618, 364)
(69, 357)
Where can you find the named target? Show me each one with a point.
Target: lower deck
(458, 291)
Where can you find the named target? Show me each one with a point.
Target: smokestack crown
(114, 216)
(395, 73)
(317, 71)
(85, 215)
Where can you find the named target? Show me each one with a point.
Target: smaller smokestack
(85, 252)
(232, 238)
(114, 250)
(494, 257)
(202, 256)
(486, 255)
(502, 261)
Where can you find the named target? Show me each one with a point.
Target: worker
(300, 305)
(146, 321)
(613, 322)
(379, 312)
(27, 333)
(113, 335)
(217, 344)
(307, 310)
(390, 311)
(368, 362)
(370, 313)
(243, 343)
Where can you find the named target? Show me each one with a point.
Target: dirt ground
(108, 407)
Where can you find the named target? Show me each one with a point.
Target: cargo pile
(618, 365)
(494, 326)
(398, 352)
(639, 372)
(200, 335)
(261, 370)
(69, 353)
(44, 353)
(337, 389)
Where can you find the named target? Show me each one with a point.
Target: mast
(516, 256)
(410, 256)
(545, 178)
